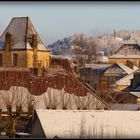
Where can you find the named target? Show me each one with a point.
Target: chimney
(8, 41)
(34, 44)
(8, 46)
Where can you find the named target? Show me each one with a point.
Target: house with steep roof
(128, 54)
(21, 46)
(90, 73)
(118, 76)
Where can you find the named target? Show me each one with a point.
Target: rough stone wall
(8, 58)
(44, 57)
(41, 55)
(30, 59)
(53, 78)
(25, 58)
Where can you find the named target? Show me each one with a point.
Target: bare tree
(88, 102)
(65, 99)
(91, 49)
(52, 99)
(79, 40)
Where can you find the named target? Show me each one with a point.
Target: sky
(56, 20)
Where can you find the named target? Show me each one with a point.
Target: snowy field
(90, 124)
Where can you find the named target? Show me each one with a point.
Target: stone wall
(136, 61)
(7, 58)
(44, 57)
(25, 58)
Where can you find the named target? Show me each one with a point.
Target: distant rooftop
(127, 50)
(96, 66)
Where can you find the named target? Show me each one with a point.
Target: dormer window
(32, 40)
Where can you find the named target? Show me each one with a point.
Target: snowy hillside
(60, 45)
(106, 42)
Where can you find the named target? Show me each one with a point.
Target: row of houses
(119, 77)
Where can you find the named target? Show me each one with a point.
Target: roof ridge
(123, 66)
(124, 45)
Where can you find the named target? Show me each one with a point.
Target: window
(15, 59)
(0, 59)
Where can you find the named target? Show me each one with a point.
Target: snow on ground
(90, 124)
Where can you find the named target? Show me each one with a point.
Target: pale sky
(56, 20)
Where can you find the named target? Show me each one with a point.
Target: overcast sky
(56, 20)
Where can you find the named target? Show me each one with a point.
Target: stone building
(117, 77)
(21, 46)
(91, 73)
(128, 54)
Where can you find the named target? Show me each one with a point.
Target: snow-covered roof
(97, 66)
(21, 29)
(119, 68)
(97, 124)
(124, 56)
(61, 56)
(128, 49)
(137, 94)
(135, 68)
(126, 80)
(125, 68)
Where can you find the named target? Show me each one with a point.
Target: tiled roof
(137, 94)
(21, 28)
(128, 50)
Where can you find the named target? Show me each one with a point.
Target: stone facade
(135, 61)
(127, 52)
(21, 46)
(24, 58)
